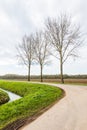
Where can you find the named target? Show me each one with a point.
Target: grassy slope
(3, 97)
(35, 98)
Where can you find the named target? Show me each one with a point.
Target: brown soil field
(76, 81)
(71, 81)
(83, 81)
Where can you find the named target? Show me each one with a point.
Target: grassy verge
(3, 97)
(36, 97)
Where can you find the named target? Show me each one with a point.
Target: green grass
(36, 97)
(3, 97)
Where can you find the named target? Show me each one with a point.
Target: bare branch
(64, 37)
(26, 52)
(41, 50)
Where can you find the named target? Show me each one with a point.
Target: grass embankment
(3, 97)
(36, 97)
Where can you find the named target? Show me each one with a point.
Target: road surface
(70, 113)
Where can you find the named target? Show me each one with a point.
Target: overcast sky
(20, 17)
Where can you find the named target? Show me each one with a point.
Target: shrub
(3, 97)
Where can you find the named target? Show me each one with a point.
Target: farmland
(68, 79)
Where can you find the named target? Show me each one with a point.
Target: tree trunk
(61, 70)
(29, 72)
(41, 74)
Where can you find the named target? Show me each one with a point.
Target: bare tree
(64, 37)
(41, 51)
(26, 52)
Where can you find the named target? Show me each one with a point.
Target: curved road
(70, 113)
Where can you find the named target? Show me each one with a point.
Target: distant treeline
(14, 76)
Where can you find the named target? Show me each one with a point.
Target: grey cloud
(18, 17)
(17, 13)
